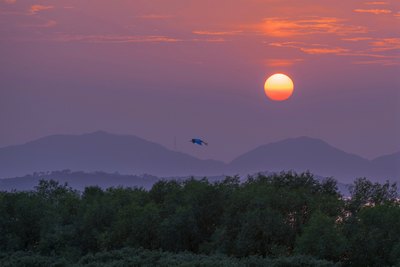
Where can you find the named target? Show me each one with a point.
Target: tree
(375, 237)
(321, 238)
(364, 192)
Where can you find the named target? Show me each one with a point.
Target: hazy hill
(78, 180)
(100, 151)
(387, 166)
(304, 153)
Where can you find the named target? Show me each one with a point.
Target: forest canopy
(284, 219)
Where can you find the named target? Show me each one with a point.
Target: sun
(279, 87)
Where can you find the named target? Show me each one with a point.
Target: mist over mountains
(101, 151)
(127, 154)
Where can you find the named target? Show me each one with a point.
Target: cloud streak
(376, 3)
(383, 62)
(281, 27)
(116, 39)
(283, 62)
(357, 39)
(311, 49)
(386, 44)
(217, 33)
(47, 24)
(373, 11)
(37, 8)
(155, 16)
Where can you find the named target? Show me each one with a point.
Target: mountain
(105, 152)
(302, 154)
(387, 166)
(80, 180)
(101, 151)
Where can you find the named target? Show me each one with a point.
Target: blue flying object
(198, 142)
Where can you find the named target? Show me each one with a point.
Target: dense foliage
(284, 219)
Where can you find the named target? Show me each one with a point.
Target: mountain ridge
(88, 152)
(103, 151)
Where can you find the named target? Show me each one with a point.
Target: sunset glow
(160, 69)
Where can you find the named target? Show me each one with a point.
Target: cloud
(4, 12)
(119, 39)
(44, 24)
(48, 24)
(283, 62)
(385, 44)
(37, 8)
(116, 39)
(281, 27)
(373, 11)
(376, 3)
(357, 39)
(217, 32)
(210, 40)
(364, 54)
(10, 1)
(384, 62)
(312, 49)
(368, 56)
(155, 16)
(319, 51)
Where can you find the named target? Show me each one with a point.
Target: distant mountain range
(80, 180)
(101, 151)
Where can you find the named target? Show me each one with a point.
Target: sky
(168, 70)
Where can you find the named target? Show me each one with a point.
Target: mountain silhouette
(78, 180)
(100, 151)
(305, 153)
(387, 166)
(127, 154)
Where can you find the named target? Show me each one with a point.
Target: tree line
(284, 219)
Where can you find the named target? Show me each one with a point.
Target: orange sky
(363, 31)
(180, 55)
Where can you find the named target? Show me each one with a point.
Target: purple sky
(161, 69)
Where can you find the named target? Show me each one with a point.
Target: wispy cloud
(281, 27)
(319, 51)
(357, 39)
(120, 39)
(47, 24)
(209, 40)
(116, 39)
(386, 44)
(376, 3)
(10, 1)
(367, 54)
(6, 12)
(283, 62)
(373, 11)
(155, 16)
(312, 49)
(217, 32)
(37, 8)
(384, 62)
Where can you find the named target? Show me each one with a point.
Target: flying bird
(198, 141)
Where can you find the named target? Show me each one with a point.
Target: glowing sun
(279, 87)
